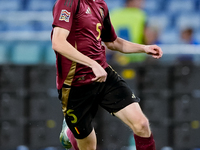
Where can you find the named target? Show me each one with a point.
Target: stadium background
(30, 112)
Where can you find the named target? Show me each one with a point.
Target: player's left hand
(153, 50)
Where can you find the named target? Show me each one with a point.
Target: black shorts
(80, 104)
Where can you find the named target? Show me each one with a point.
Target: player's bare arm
(60, 44)
(125, 46)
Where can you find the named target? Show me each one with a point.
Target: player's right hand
(99, 72)
(153, 50)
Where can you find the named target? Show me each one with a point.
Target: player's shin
(144, 143)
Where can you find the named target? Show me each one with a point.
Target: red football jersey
(89, 24)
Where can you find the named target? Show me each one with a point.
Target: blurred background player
(130, 21)
(130, 24)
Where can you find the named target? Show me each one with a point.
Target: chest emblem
(88, 11)
(64, 15)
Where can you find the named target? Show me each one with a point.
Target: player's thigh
(88, 143)
(132, 115)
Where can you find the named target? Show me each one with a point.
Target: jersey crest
(64, 15)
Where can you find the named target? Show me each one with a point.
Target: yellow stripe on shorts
(77, 130)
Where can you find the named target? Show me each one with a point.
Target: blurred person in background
(129, 21)
(187, 36)
(130, 24)
(152, 34)
(84, 78)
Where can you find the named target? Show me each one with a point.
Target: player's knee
(87, 145)
(141, 127)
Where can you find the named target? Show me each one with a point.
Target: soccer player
(84, 78)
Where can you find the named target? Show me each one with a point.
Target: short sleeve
(108, 32)
(63, 13)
